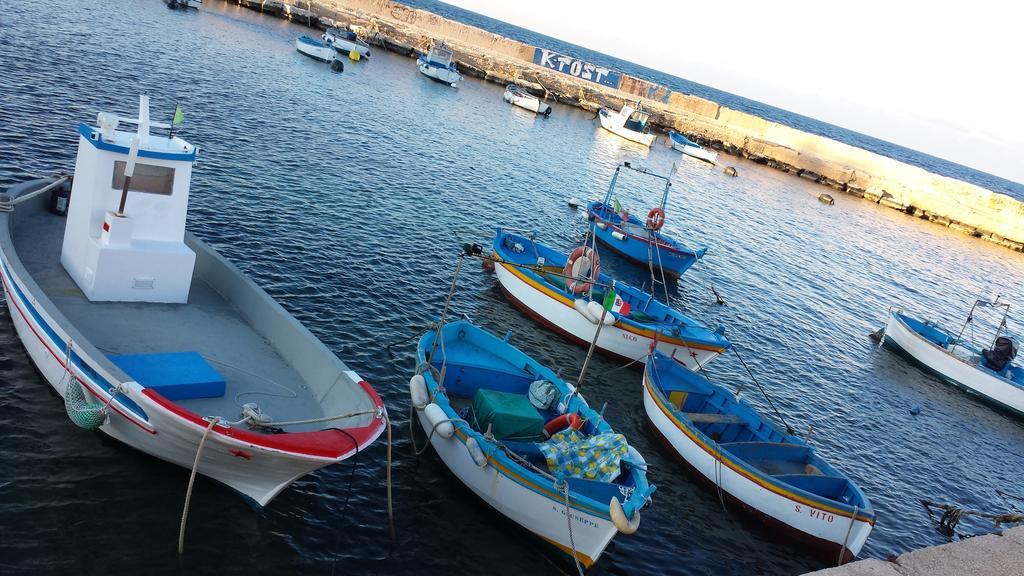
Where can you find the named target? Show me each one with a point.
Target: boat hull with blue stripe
(162, 339)
(774, 476)
(315, 49)
(512, 477)
(633, 241)
(956, 362)
(538, 292)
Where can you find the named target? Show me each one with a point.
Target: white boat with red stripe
(154, 338)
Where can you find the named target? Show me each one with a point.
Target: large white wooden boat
(772, 474)
(152, 337)
(630, 123)
(987, 373)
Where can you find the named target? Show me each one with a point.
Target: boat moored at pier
(690, 148)
(774, 475)
(438, 64)
(988, 373)
(345, 42)
(518, 97)
(525, 442)
(630, 123)
(567, 295)
(316, 49)
(641, 241)
(152, 337)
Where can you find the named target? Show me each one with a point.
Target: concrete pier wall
(949, 202)
(989, 555)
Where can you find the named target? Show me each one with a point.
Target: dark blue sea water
(347, 197)
(895, 151)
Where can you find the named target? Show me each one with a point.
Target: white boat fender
(477, 453)
(596, 310)
(618, 235)
(602, 225)
(622, 524)
(582, 308)
(438, 420)
(418, 392)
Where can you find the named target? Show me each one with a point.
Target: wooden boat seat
(709, 418)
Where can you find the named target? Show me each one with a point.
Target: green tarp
(511, 416)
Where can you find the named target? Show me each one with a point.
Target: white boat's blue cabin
(124, 238)
(637, 120)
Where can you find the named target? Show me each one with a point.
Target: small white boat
(317, 49)
(346, 42)
(476, 399)
(439, 65)
(518, 97)
(630, 123)
(772, 474)
(152, 337)
(986, 373)
(690, 148)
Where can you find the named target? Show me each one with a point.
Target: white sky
(940, 77)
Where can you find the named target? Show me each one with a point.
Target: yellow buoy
(353, 55)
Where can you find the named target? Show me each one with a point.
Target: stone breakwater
(990, 555)
(958, 205)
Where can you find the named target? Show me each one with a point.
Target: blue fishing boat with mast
(641, 241)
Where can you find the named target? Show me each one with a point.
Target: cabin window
(147, 178)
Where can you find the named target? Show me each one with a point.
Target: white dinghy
(438, 64)
(518, 97)
(630, 123)
(688, 147)
(316, 49)
(985, 372)
(152, 337)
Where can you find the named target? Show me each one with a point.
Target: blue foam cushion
(175, 375)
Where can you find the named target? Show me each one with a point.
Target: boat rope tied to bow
(191, 482)
(561, 485)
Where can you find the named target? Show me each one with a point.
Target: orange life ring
(581, 269)
(655, 218)
(559, 423)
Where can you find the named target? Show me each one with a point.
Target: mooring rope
(952, 515)
(191, 482)
(789, 428)
(846, 540)
(561, 485)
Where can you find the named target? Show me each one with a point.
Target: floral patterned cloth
(592, 458)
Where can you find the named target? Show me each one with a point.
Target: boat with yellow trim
(538, 280)
(487, 407)
(773, 475)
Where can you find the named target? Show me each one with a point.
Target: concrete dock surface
(1000, 554)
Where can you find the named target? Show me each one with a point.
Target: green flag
(609, 298)
(615, 205)
(179, 115)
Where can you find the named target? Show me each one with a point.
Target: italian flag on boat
(614, 303)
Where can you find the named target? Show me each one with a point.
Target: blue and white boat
(438, 64)
(691, 148)
(487, 408)
(641, 241)
(988, 373)
(346, 42)
(317, 49)
(773, 475)
(566, 294)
